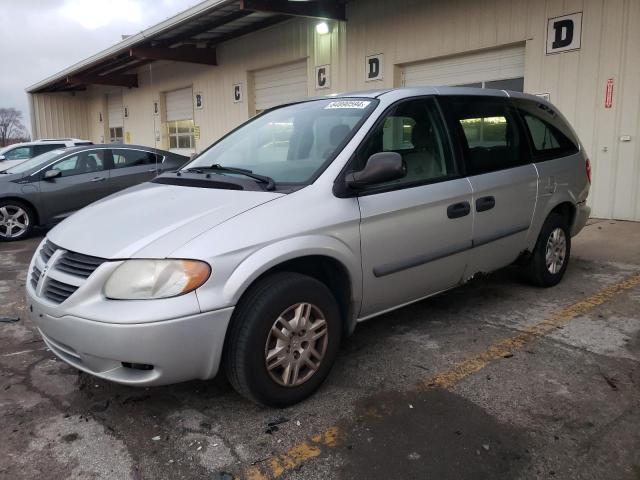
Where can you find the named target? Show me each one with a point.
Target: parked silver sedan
(48, 188)
(261, 254)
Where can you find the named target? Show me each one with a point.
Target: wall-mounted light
(322, 28)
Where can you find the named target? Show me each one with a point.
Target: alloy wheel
(14, 221)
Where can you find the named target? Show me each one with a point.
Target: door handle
(485, 203)
(98, 179)
(458, 210)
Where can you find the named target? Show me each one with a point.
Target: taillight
(588, 167)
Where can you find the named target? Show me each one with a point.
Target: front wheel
(16, 221)
(550, 257)
(283, 339)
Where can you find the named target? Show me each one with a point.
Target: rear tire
(286, 320)
(16, 220)
(550, 257)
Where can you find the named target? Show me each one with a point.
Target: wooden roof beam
(327, 9)
(121, 80)
(188, 54)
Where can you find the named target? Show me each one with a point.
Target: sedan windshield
(34, 162)
(288, 145)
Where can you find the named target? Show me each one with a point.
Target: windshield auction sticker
(361, 104)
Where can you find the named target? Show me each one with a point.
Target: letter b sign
(564, 33)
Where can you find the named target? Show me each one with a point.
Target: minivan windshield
(291, 144)
(34, 162)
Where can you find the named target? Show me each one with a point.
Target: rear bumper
(181, 349)
(582, 215)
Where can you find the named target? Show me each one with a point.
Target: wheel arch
(26, 203)
(327, 260)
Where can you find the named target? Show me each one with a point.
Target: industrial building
(185, 82)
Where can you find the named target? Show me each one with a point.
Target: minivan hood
(151, 220)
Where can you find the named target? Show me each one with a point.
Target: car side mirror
(2, 158)
(51, 174)
(381, 167)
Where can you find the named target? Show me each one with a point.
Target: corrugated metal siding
(59, 115)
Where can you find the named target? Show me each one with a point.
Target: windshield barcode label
(348, 104)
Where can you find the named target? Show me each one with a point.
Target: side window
(414, 130)
(47, 147)
(132, 158)
(19, 153)
(83, 162)
(550, 136)
(489, 133)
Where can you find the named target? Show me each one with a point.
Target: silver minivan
(267, 249)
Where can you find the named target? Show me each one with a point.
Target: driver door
(415, 232)
(84, 179)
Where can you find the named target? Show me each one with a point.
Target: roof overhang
(191, 36)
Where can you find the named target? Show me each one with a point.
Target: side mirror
(381, 167)
(51, 174)
(2, 158)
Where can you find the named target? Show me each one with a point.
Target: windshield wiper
(271, 184)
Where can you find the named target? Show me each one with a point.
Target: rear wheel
(16, 220)
(283, 340)
(550, 258)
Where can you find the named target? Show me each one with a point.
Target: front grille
(57, 291)
(35, 276)
(64, 274)
(78, 264)
(48, 249)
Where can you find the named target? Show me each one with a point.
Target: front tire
(283, 339)
(16, 221)
(550, 257)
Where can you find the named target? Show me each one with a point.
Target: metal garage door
(281, 84)
(501, 68)
(179, 104)
(115, 117)
(180, 126)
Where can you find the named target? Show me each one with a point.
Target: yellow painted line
(296, 456)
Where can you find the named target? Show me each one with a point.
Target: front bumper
(582, 215)
(181, 349)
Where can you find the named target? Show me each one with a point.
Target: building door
(115, 116)
(498, 68)
(180, 126)
(277, 85)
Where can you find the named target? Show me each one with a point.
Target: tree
(11, 127)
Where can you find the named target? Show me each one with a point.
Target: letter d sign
(564, 33)
(374, 67)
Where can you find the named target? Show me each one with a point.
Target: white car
(17, 153)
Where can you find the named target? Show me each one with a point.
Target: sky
(38, 38)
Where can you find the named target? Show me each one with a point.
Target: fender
(274, 254)
(562, 195)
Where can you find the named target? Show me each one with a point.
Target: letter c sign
(323, 77)
(564, 33)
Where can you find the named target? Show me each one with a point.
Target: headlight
(152, 279)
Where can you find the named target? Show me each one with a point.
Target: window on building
(489, 132)
(181, 134)
(513, 84)
(116, 135)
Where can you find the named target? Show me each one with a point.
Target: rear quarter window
(549, 135)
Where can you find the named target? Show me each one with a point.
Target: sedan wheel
(15, 222)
